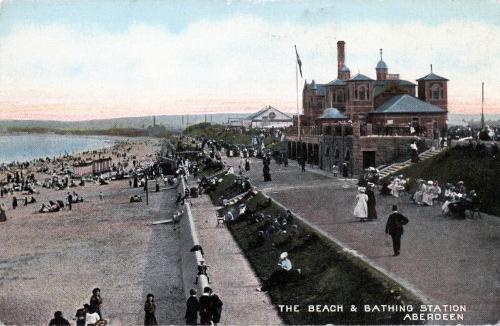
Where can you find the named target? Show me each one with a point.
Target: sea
(26, 147)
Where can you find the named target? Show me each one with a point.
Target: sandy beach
(52, 261)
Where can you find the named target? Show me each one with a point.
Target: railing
(341, 129)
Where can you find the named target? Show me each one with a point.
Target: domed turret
(381, 68)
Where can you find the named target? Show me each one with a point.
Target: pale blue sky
(116, 15)
(89, 57)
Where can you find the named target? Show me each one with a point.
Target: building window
(362, 93)
(339, 96)
(436, 92)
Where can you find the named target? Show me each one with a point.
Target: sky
(86, 59)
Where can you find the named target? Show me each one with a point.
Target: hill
(478, 166)
(171, 122)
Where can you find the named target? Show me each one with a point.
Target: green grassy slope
(329, 276)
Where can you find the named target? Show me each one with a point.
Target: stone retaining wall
(188, 239)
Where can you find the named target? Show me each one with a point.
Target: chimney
(340, 58)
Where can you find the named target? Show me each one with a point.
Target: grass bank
(329, 275)
(478, 166)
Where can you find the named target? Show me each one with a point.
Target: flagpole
(297, 89)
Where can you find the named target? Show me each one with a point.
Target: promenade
(447, 260)
(231, 276)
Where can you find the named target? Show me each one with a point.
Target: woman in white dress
(361, 209)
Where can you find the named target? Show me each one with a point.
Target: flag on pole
(298, 61)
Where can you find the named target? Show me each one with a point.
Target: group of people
(457, 200)
(395, 186)
(89, 315)
(208, 307)
(426, 192)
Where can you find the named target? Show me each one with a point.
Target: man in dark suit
(394, 227)
(192, 308)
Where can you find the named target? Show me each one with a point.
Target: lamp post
(146, 189)
(482, 105)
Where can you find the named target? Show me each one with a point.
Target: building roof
(265, 112)
(407, 104)
(337, 82)
(381, 85)
(432, 76)
(332, 113)
(321, 90)
(381, 65)
(360, 77)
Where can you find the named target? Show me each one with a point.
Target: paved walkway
(231, 276)
(450, 261)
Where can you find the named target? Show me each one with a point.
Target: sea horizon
(24, 147)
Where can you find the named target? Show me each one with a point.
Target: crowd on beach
(21, 182)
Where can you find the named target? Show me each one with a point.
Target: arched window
(362, 93)
(436, 92)
(339, 96)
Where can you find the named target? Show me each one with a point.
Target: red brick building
(388, 100)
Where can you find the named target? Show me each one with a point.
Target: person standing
(96, 301)
(247, 165)
(14, 202)
(192, 308)
(394, 228)
(361, 208)
(414, 152)
(81, 314)
(59, 320)
(303, 164)
(3, 216)
(149, 311)
(372, 203)
(70, 200)
(101, 195)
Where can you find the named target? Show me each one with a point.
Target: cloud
(237, 64)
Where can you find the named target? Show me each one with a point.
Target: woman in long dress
(372, 210)
(361, 209)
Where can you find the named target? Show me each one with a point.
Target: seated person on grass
(281, 275)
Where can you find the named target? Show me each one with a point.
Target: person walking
(149, 311)
(361, 208)
(372, 203)
(204, 307)
(394, 228)
(101, 195)
(215, 308)
(192, 308)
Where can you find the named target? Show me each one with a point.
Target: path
(231, 276)
(450, 261)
